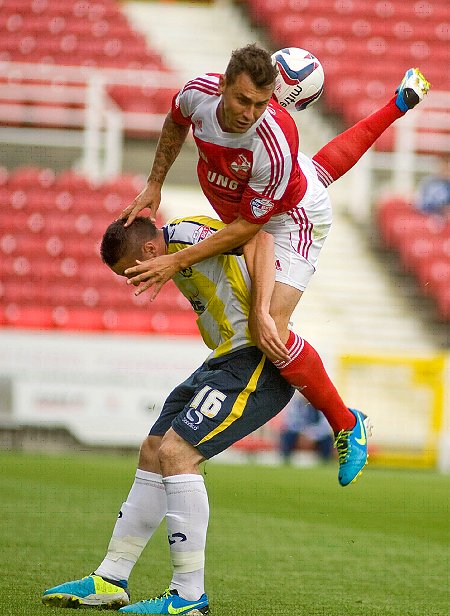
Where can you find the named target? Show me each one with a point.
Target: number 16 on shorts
(208, 401)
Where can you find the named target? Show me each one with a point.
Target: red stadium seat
(433, 274)
(36, 317)
(30, 177)
(443, 302)
(74, 32)
(348, 34)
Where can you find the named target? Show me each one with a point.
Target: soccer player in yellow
(235, 391)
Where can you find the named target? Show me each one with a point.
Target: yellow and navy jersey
(217, 288)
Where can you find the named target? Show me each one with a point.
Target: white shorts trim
(300, 233)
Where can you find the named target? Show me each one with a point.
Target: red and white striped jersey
(255, 174)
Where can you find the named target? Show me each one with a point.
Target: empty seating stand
(51, 273)
(79, 33)
(422, 243)
(365, 47)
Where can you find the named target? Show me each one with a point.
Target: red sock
(341, 153)
(306, 371)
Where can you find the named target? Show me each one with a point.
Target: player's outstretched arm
(156, 272)
(260, 259)
(170, 142)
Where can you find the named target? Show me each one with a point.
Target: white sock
(187, 522)
(138, 519)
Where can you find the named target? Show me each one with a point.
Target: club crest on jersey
(201, 233)
(260, 207)
(241, 166)
(186, 273)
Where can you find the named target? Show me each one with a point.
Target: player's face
(242, 103)
(124, 263)
(149, 250)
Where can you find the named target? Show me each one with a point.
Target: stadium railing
(419, 138)
(74, 106)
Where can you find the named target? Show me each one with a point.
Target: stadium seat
(434, 274)
(348, 34)
(22, 316)
(443, 302)
(50, 267)
(69, 33)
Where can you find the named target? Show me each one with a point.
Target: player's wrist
(178, 262)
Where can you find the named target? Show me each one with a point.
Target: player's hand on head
(151, 273)
(265, 335)
(148, 198)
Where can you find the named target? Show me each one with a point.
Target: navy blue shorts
(224, 400)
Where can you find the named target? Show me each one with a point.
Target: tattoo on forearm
(172, 137)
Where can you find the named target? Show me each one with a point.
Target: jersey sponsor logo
(186, 273)
(260, 207)
(241, 166)
(201, 233)
(197, 305)
(199, 124)
(221, 180)
(193, 419)
(278, 265)
(176, 536)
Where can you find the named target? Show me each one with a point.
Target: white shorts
(300, 233)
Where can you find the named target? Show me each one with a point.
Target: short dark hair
(254, 61)
(119, 240)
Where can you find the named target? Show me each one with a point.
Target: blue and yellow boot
(411, 90)
(91, 591)
(351, 446)
(169, 603)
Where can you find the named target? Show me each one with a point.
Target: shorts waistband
(251, 351)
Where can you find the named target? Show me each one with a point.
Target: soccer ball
(300, 78)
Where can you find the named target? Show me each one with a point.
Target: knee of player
(149, 454)
(281, 319)
(177, 456)
(170, 449)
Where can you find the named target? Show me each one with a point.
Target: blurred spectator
(433, 194)
(304, 426)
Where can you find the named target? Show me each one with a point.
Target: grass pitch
(282, 541)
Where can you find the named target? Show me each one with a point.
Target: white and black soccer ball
(300, 78)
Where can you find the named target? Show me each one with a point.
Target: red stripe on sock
(307, 372)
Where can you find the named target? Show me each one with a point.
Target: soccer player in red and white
(253, 175)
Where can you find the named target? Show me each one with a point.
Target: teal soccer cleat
(169, 603)
(352, 448)
(411, 90)
(91, 591)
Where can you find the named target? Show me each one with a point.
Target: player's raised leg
(341, 153)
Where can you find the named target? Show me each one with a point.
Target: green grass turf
(282, 541)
